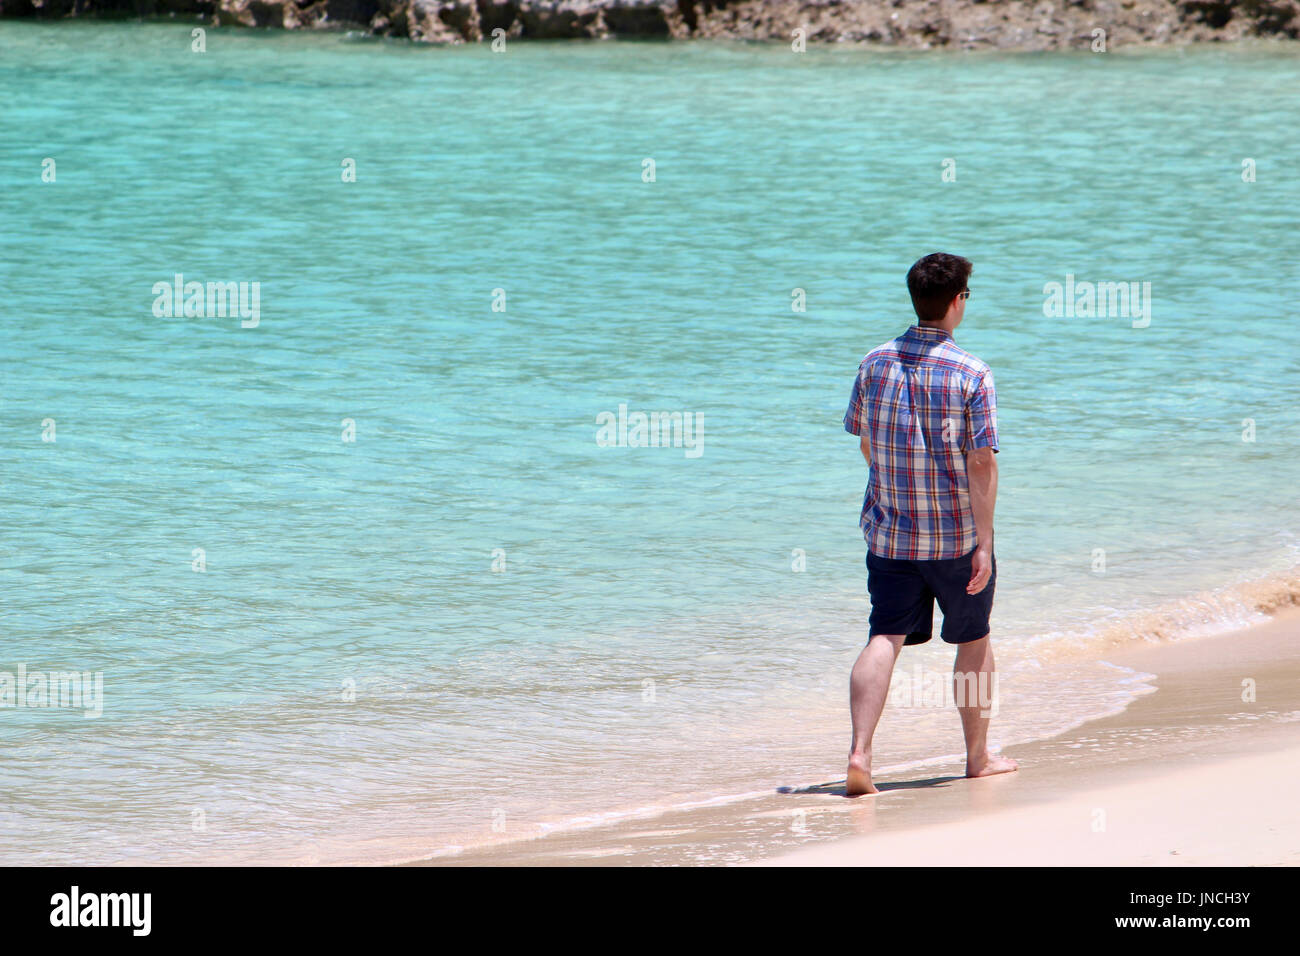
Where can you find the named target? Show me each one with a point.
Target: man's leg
(868, 688)
(972, 677)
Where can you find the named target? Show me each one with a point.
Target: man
(927, 416)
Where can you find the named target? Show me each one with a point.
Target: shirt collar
(928, 334)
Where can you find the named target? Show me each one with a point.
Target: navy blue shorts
(903, 595)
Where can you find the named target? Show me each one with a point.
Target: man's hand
(981, 569)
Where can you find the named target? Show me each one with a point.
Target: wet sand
(1190, 773)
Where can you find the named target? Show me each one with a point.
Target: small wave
(1202, 614)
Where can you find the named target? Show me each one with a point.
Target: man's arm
(866, 448)
(982, 476)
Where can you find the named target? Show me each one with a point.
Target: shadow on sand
(837, 789)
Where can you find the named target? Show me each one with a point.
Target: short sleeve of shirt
(982, 415)
(854, 417)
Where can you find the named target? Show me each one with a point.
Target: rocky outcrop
(1017, 24)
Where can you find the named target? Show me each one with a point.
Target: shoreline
(1213, 794)
(1184, 816)
(1188, 732)
(1092, 25)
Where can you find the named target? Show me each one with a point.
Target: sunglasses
(964, 295)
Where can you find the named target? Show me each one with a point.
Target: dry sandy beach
(1188, 774)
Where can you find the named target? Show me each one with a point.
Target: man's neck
(937, 326)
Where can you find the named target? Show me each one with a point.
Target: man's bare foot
(991, 764)
(859, 778)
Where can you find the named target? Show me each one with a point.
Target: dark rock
(637, 20)
(494, 15)
(351, 11)
(1273, 17)
(686, 8)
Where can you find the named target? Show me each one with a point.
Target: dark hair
(934, 281)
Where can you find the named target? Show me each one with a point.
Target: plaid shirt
(922, 402)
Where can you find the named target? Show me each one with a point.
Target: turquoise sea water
(349, 679)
